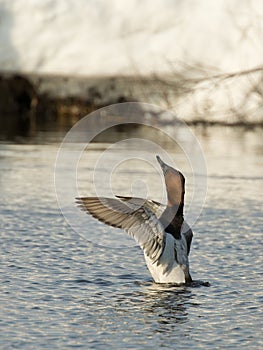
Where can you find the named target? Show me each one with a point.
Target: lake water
(62, 291)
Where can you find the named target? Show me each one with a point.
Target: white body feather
(166, 269)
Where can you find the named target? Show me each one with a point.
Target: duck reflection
(168, 303)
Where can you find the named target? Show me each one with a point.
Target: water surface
(61, 291)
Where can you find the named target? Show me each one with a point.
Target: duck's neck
(180, 210)
(172, 220)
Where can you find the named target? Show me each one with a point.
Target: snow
(100, 37)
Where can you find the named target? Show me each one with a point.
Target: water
(60, 291)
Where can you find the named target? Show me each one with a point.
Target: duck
(160, 230)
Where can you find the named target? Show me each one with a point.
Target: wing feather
(156, 207)
(188, 234)
(135, 215)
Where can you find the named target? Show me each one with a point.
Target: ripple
(59, 291)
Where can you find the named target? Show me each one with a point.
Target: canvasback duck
(160, 230)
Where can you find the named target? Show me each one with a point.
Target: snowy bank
(181, 40)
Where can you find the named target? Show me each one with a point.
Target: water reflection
(168, 304)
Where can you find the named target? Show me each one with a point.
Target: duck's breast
(166, 269)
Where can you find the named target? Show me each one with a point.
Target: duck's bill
(164, 166)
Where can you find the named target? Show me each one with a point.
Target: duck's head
(175, 182)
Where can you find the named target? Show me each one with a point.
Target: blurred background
(61, 59)
(199, 61)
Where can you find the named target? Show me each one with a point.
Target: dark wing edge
(188, 237)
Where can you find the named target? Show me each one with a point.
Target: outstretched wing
(133, 215)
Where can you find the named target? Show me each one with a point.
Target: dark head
(174, 181)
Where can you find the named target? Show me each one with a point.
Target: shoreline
(28, 101)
